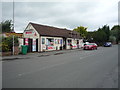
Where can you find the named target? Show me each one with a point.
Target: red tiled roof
(53, 31)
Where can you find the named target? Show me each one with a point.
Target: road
(76, 69)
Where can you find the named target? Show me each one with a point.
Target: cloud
(92, 14)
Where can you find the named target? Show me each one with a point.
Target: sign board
(29, 33)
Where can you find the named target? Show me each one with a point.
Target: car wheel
(92, 48)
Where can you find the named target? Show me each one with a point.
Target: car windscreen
(89, 44)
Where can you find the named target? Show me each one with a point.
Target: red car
(90, 46)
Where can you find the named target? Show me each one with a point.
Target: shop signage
(51, 47)
(28, 32)
(74, 46)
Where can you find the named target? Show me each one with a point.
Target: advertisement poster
(34, 45)
(61, 41)
(26, 41)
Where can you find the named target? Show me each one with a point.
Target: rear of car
(90, 46)
(107, 44)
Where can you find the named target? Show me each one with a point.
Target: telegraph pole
(13, 27)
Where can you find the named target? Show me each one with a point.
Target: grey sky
(91, 14)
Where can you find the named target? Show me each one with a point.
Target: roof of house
(44, 30)
(8, 34)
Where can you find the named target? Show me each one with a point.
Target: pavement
(74, 69)
(40, 54)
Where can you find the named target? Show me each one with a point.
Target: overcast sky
(92, 14)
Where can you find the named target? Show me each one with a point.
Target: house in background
(8, 34)
(46, 38)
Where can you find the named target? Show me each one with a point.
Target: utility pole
(13, 15)
(13, 27)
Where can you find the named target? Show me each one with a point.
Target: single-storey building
(45, 38)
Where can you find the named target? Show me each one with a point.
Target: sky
(62, 14)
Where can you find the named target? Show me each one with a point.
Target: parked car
(107, 44)
(90, 46)
(83, 44)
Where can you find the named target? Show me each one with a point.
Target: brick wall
(16, 52)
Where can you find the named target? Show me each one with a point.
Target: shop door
(36, 45)
(64, 43)
(29, 45)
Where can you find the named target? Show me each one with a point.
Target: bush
(7, 43)
(4, 47)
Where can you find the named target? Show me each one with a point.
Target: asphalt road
(76, 69)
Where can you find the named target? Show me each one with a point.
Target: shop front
(41, 38)
(51, 43)
(31, 40)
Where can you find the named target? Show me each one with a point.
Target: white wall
(30, 28)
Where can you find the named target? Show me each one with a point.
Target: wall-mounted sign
(28, 32)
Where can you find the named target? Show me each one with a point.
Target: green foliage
(6, 26)
(102, 35)
(89, 36)
(82, 30)
(106, 29)
(7, 43)
(115, 31)
(99, 36)
(4, 47)
(112, 39)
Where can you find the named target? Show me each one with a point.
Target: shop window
(43, 40)
(75, 42)
(61, 41)
(50, 41)
(69, 42)
(56, 41)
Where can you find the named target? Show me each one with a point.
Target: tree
(82, 30)
(106, 29)
(112, 39)
(6, 26)
(89, 36)
(115, 31)
(99, 37)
